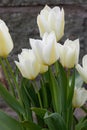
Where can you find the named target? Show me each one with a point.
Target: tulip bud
(83, 70)
(51, 20)
(28, 64)
(45, 50)
(6, 43)
(69, 53)
(79, 97)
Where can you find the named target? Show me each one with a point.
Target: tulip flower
(83, 70)
(28, 64)
(79, 97)
(6, 43)
(51, 20)
(46, 50)
(69, 53)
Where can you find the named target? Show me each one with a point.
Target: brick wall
(20, 16)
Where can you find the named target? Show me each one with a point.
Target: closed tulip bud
(79, 97)
(45, 50)
(51, 20)
(6, 43)
(28, 64)
(83, 70)
(69, 53)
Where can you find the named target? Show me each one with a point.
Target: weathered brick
(39, 2)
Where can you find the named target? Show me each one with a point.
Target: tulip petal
(82, 72)
(6, 43)
(49, 50)
(84, 62)
(70, 58)
(37, 48)
(78, 98)
(21, 68)
(43, 68)
(56, 9)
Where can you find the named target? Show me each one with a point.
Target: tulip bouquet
(51, 86)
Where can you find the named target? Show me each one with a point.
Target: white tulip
(28, 64)
(83, 70)
(51, 20)
(45, 50)
(6, 43)
(69, 53)
(79, 97)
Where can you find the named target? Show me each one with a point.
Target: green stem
(54, 89)
(14, 79)
(44, 92)
(70, 91)
(37, 91)
(56, 68)
(68, 76)
(39, 98)
(8, 77)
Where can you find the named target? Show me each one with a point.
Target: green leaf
(43, 93)
(62, 81)
(30, 125)
(31, 92)
(10, 100)
(55, 91)
(82, 125)
(26, 101)
(71, 88)
(8, 123)
(55, 121)
(40, 111)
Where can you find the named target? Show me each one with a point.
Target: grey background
(20, 16)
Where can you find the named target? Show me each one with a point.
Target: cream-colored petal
(6, 43)
(21, 67)
(49, 50)
(77, 46)
(43, 68)
(84, 62)
(56, 9)
(82, 72)
(3, 25)
(47, 8)
(42, 24)
(62, 52)
(52, 21)
(37, 49)
(70, 58)
(60, 25)
(79, 97)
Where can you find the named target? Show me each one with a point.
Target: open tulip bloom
(50, 87)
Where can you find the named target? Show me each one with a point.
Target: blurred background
(20, 16)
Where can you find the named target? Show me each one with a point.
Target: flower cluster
(47, 51)
(57, 64)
